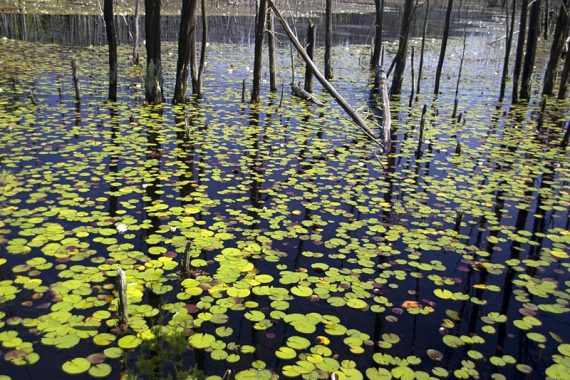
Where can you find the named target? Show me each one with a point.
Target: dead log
(303, 94)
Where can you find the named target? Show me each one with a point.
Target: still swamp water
(310, 252)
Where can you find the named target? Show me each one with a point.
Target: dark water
(393, 254)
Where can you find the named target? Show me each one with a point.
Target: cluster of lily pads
(270, 237)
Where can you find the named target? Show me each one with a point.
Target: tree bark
(187, 33)
(565, 73)
(508, 44)
(400, 64)
(560, 34)
(271, 49)
(136, 55)
(75, 74)
(443, 46)
(311, 40)
(520, 51)
(153, 79)
(375, 60)
(258, 52)
(328, 41)
(197, 82)
(531, 42)
(109, 16)
(422, 49)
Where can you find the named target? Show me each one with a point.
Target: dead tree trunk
(258, 52)
(153, 79)
(443, 46)
(198, 75)
(197, 78)
(109, 16)
(560, 34)
(328, 41)
(187, 33)
(311, 40)
(508, 44)
(271, 49)
(565, 72)
(545, 25)
(520, 51)
(422, 49)
(531, 42)
(386, 113)
(400, 60)
(75, 74)
(375, 60)
(136, 55)
(412, 81)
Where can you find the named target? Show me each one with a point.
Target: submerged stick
(123, 303)
(326, 84)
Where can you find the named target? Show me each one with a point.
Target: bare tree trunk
(422, 49)
(400, 61)
(197, 83)
(109, 16)
(379, 6)
(560, 34)
(412, 78)
(565, 72)
(258, 53)
(386, 113)
(531, 42)
(185, 48)
(508, 44)
(136, 55)
(271, 48)
(311, 40)
(443, 46)
(545, 25)
(456, 101)
(75, 74)
(153, 79)
(520, 51)
(328, 41)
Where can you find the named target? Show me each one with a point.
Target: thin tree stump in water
(123, 300)
(75, 80)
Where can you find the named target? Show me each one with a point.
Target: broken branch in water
(326, 84)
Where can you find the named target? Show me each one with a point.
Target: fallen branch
(299, 92)
(326, 84)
